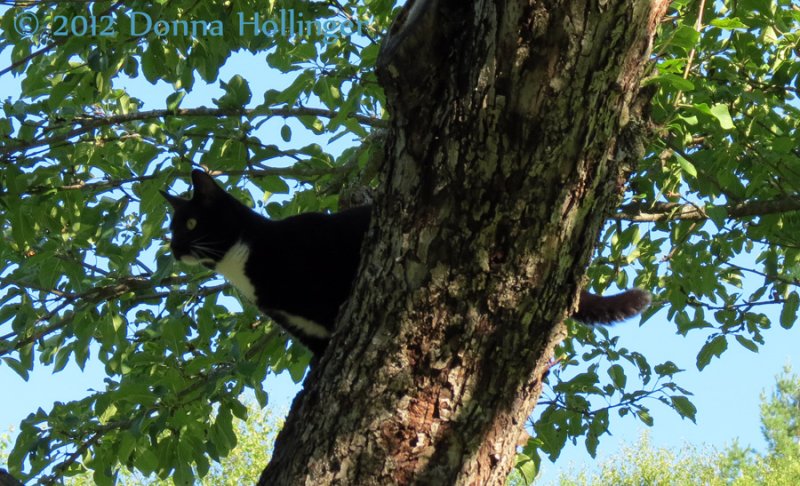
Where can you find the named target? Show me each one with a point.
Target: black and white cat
(300, 270)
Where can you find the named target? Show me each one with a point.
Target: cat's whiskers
(206, 251)
(203, 249)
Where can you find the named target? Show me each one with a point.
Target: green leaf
(715, 347)
(237, 93)
(684, 407)
(304, 51)
(8, 311)
(721, 113)
(152, 62)
(164, 266)
(97, 61)
(286, 133)
(729, 23)
(18, 367)
(297, 368)
(617, 375)
(645, 417)
(224, 427)
(527, 468)
(673, 81)
(580, 382)
(667, 368)
(747, 343)
(598, 427)
(273, 185)
(174, 100)
(184, 474)
(789, 310)
(203, 466)
(239, 410)
(718, 215)
(686, 37)
(102, 478)
(687, 166)
(261, 396)
(783, 145)
(62, 357)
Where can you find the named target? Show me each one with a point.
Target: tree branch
(95, 296)
(743, 305)
(778, 278)
(291, 172)
(90, 124)
(651, 213)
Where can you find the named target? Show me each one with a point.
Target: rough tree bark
(511, 122)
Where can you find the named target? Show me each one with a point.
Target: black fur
(304, 266)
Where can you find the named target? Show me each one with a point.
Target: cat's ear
(174, 201)
(204, 185)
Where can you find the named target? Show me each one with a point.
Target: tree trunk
(510, 124)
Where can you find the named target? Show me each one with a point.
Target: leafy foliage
(728, 149)
(718, 181)
(242, 466)
(87, 275)
(641, 463)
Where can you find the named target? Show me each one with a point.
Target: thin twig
(86, 126)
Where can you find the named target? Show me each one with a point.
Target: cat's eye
(191, 224)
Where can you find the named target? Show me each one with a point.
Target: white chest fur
(303, 325)
(232, 268)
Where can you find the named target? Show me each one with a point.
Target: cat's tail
(596, 309)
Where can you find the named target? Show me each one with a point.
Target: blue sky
(726, 393)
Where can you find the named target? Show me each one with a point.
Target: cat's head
(206, 226)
